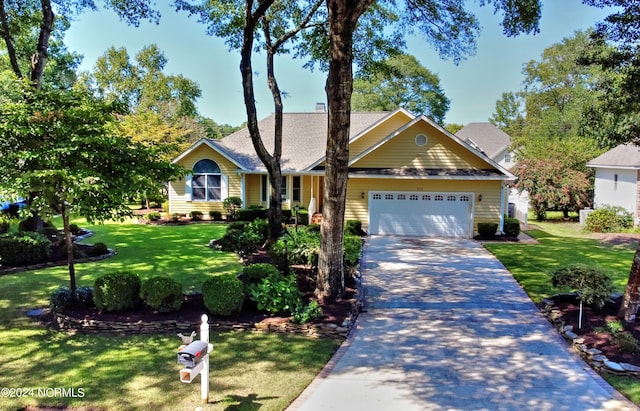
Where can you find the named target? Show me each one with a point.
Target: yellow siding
(252, 187)
(378, 134)
(439, 152)
(487, 210)
(177, 199)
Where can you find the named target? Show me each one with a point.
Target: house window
(207, 181)
(507, 157)
(426, 197)
(439, 197)
(402, 197)
(296, 188)
(464, 198)
(377, 196)
(388, 196)
(451, 198)
(413, 197)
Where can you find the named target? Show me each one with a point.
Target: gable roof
(300, 150)
(622, 156)
(487, 137)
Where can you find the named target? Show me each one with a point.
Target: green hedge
(609, 219)
(117, 291)
(511, 227)
(223, 294)
(23, 248)
(161, 293)
(487, 229)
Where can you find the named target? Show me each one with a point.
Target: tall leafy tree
(18, 17)
(63, 149)
(509, 115)
(401, 82)
(615, 118)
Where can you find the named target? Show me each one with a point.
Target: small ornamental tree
(592, 284)
(62, 150)
(552, 185)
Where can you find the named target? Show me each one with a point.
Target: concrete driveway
(448, 328)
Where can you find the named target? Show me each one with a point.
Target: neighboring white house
(617, 179)
(496, 144)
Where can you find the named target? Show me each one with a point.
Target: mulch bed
(594, 322)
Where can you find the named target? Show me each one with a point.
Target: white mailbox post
(195, 357)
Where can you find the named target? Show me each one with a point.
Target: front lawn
(249, 370)
(561, 244)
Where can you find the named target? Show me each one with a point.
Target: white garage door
(420, 214)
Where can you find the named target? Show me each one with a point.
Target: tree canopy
(401, 82)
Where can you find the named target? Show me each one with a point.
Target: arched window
(206, 183)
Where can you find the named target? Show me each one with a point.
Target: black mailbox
(193, 353)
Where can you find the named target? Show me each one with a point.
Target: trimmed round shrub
(117, 291)
(254, 273)
(353, 227)
(511, 227)
(223, 294)
(85, 296)
(303, 216)
(153, 216)
(487, 229)
(215, 215)
(23, 248)
(74, 229)
(163, 294)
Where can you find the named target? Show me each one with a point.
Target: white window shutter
(187, 187)
(224, 186)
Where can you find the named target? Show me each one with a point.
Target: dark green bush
(296, 247)
(74, 229)
(223, 294)
(231, 205)
(593, 284)
(626, 342)
(313, 228)
(61, 299)
(353, 227)
(511, 227)
(276, 294)
(23, 248)
(175, 217)
(215, 215)
(286, 215)
(254, 273)
(99, 249)
(237, 225)
(163, 294)
(85, 296)
(117, 291)
(487, 229)
(4, 227)
(251, 214)
(78, 251)
(153, 216)
(352, 249)
(609, 219)
(303, 216)
(196, 215)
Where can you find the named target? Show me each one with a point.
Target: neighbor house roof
(489, 138)
(623, 156)
(300, 150)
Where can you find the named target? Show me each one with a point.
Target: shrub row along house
(407, 175)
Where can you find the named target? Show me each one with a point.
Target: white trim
(457, 178)
(214, 146)
(187, 187)
(224, 187)
(243, 190)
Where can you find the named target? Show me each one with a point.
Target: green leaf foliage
(223, 294)
(162, 293)
(117, 291)
(276, 294)
(593, 284)
(23, 248)
(609, 219)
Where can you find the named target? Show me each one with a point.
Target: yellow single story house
(407, 175)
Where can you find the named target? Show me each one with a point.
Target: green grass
(560, 244)
(249, 370)
(532, 264)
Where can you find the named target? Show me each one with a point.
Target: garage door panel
(420, 214)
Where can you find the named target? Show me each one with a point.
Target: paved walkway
(448, 328)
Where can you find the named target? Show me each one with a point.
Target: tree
(20, 16)
(552, 185)
(509, 115)
(403, 82)
(62, 148)
(615, 117)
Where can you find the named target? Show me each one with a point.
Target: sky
(473, 86)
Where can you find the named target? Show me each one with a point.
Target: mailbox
(193, 353)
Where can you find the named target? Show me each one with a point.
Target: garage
(420, 213)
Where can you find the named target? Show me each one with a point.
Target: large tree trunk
(39, 58)
(631, 299)
(343, 18)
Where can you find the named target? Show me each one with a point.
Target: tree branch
(6, 35)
